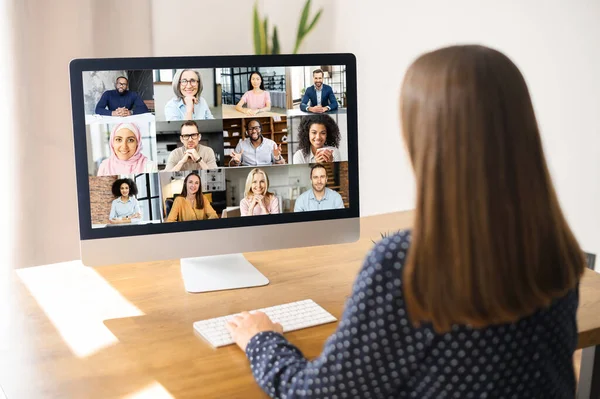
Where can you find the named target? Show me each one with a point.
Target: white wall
(46, 37)
(554, 43)
(225, 27)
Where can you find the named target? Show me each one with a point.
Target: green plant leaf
(314, 21)
(275, 49)
(264, 42)
(256, 26)
(302, 26)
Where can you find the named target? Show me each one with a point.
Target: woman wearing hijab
(126, 153)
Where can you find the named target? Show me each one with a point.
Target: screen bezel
(78, 66)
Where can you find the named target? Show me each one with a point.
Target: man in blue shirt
(318, 98)
(319, 198)
(120, 102)
(255, 149)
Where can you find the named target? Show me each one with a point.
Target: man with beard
(120, 102)
(319, 198)
(192, 155)
(318, 98)
(256, 150)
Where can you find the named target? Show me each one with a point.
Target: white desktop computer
(204, 158)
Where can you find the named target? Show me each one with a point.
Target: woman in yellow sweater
(191, 204)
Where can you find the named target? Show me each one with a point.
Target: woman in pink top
(258, 200)
(257, 99)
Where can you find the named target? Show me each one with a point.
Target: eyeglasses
(254, 128)
(192, 82)
(193, 136)
(122, 84)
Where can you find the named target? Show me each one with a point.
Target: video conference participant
(453, 307)
(319, 97)
(256, 150)
(120, 102)
(192, 155)
(319, 198)
(257, 99)
(126, 157)
(318, 139)
(125, 206)
(258, 200)
(187, 103)
(191, 204)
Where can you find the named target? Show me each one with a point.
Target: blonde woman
(257, 198)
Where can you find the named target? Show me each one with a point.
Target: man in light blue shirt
(256, 150)
(319, 198)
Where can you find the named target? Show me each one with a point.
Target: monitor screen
(185, 144)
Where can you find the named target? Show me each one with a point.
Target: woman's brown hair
(199, 195)
(490, 243)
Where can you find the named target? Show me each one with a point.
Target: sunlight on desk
(77, 300)
(154, 391)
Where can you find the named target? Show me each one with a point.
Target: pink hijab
(114, 166)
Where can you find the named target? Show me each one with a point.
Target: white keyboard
(292, 316)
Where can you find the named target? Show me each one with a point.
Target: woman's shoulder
(172, 101)
(299, 157)
(391, 248)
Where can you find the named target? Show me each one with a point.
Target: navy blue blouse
(377, 353)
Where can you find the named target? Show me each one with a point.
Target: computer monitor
(204, 158)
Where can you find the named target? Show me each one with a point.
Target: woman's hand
(253, 203)
(246, 325)
(260, 200)
(190, 101)
(324, 155)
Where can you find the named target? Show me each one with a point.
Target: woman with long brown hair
(479, 298)
(191, 204)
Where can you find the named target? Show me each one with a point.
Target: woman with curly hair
(318, 139)
(125, 206)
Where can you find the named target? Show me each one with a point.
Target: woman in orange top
(191, 204)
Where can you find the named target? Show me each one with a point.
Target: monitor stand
(221, 272)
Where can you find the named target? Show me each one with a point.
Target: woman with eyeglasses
(187, 103)
(256, 99)
(126, 157)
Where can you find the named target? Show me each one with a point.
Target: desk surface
(229, 112)
(161, 347)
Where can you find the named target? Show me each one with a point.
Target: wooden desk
(229, 112)
(161, 346)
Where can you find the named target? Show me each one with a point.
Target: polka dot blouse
(377, 353)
